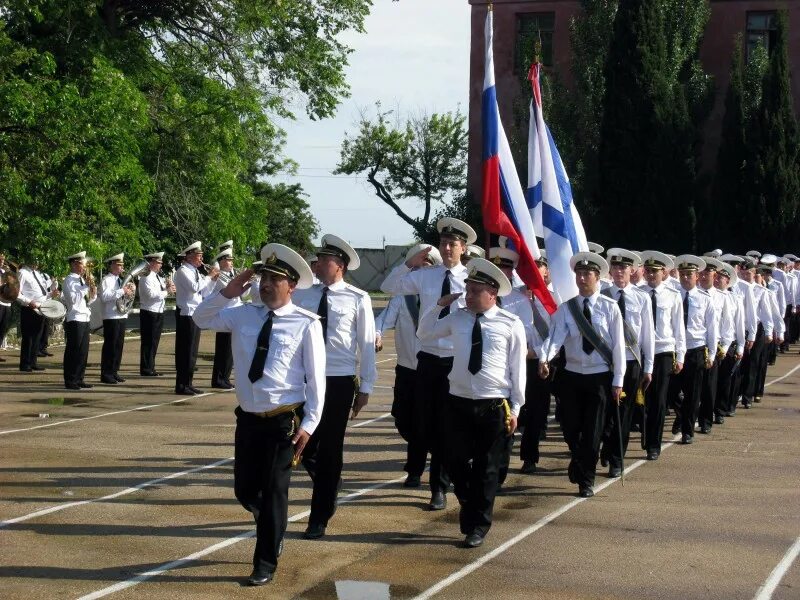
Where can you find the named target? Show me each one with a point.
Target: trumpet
(209, 271)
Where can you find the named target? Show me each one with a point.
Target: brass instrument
(88, 276)
(125, 303)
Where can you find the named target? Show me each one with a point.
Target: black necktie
(655, 305)
(587, 345)
(686, 310)
(322, 311)
(196, 276)
(262, 348)
(83, 281)
(445, 290)
(476, 352)
(499, 302)
(621, 303)
(119, 282)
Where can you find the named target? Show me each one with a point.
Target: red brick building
(551, 18)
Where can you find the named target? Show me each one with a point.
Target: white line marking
(125, 492)
(475, 565)
(765, 591)
(141, 486)
(128, 583)
(782, 377)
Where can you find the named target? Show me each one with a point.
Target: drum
(52, 309)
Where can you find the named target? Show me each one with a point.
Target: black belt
(443, 361)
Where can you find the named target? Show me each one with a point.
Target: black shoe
(119, 379)
(222, 386)
(109, 379)
(72, 386)
(705, 429)
(42, 354)
(26, 369)
(730, 413)
(528, 467)
(473, 540)
(182, 390)
(603, 460)
(412, 481)
(585, 491)
(194, 390)
(676, 427)
(687, 439)
(84, 385)
(652, 455)
(258, 577)
(314, 531)
(150, 374)
(438, 501)
(757, 399)
(614, 472)
(719, 420)
(636, 427)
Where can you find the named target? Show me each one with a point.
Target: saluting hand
(418, 260)
(237, 286)
(448, 299)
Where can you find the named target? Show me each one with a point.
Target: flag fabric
(505, 211)
(549, 198)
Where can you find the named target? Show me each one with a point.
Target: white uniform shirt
(396, 316)
(32, 287)
(778, 325)
(295, 367)
(733, 330)
(427, 283)
(152, 292)
(190, 288)
(763, 308)
(639, 316)
(780, 295)
(744, 290)
(670, 335)
(350, 331)
(110, 291)
(74, 297)
(518, 303)
(723, 317)
(701, 325)
(607, 321)
(502, 373)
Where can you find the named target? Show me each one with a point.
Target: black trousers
(31, 325)
(537, 401)
(708, 396)
(630, 385)
(5, 320)
(788, 337)
(223, 359)
(261, 473)
(44, 341)
(726, 398)
(76, 351)
(475, 436)
(151, 325)
(795, 328)
(187, 342)
(431, 393)
(690, 382)
(751, 365)
(655, 400)
(113, 344)
(324, 454)
(403, 413)
(584, 399)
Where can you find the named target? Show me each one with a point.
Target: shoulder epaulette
(307, 313)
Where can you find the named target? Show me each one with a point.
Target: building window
(760, 30)
(533, 29)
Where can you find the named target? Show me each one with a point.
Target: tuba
(125, 303)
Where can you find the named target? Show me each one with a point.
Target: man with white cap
(732, 337)
(402, 315)
(669, 348)
(701, 345)
(766, 268)
(78, 295)
(435, 358)
(348, 327)
(589, 326)
(223, 356)
(191, 287)
(114, 321)
(153, 290)
(486, 390)
(473, 251)
(783, 274)
(637, 314)
(32, 292)
(280, 375)
(752, 363)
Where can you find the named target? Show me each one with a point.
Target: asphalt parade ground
(126, 491)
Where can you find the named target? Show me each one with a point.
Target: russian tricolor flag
(505, 211)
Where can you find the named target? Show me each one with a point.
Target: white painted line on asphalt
(475, 565)
(765, 591)
(141, 486)
(125, 492)
(128, 583)
(782, 377)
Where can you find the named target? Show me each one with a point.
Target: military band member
(637, 313)
(435, 359)
(670, 346)
(752, 364)
(32, 292)
(114, 321)
(402, 315)
(223, 356)
(52, 286)
(348, 327)
(79, 293)
(771, 298)
(153, 291)
(732, 337)
(589, 326)
(190, 288)
(766, 268)
(487, 387)
(280, 375)
(5, 308)
(783, 274)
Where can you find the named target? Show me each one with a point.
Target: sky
(413, 57)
